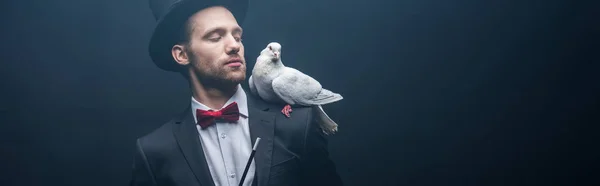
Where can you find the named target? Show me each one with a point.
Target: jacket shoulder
(299, 119)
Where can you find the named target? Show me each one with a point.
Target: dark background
(436, 92)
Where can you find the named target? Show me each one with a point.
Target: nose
(233, 46)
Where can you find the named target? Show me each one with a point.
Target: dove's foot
(329, 131)
(286, 110)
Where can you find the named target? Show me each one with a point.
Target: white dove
(274, 82)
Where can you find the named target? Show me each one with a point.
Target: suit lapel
(187, 137)
(262, 125)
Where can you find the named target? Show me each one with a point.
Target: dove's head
(273, 50)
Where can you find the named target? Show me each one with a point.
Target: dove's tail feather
(328, 126)
(325, 97)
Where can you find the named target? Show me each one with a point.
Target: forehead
(213, 17)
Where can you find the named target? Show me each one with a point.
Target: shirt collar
(239, 97)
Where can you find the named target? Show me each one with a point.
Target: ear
(179, 54)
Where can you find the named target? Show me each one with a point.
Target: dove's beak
(276, 58)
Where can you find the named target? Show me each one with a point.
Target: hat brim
(168, 28)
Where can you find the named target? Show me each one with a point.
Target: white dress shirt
(227, 146)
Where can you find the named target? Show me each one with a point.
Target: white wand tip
(256, 144)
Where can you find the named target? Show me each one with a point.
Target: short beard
(213, 79)
(216, 80)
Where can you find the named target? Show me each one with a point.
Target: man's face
(215, 51)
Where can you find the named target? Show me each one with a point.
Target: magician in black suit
(209, 144)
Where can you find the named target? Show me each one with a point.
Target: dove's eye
(270, 48)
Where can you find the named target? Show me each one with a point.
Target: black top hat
(172, 15)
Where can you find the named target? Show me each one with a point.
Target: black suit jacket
(292, 151)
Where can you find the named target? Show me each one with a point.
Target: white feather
(274, 82)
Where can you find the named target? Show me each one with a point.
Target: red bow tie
(206, 117)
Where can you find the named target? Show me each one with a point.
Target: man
(211, 141)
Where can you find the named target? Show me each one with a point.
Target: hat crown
(160, 7)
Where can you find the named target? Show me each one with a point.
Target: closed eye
(215, 39)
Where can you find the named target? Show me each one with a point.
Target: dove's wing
(295, 87)
(325, 97)
(252, 86)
